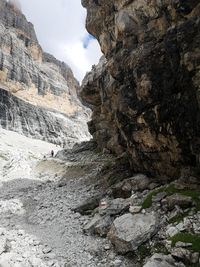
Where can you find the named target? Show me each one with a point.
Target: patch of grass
(160, 248)
(148, 200)
(187, 238)
(143, 252)
(170, 190)
(178, 218)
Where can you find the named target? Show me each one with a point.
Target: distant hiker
(52, 153)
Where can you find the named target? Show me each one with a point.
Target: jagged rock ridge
(145, 94)
(39, 79)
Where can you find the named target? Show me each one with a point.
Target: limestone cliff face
(145, 95)
(38, 93)
(40, 123)
(27, 71)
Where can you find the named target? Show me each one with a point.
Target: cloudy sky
(60, 27)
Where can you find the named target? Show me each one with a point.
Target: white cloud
(60, 27)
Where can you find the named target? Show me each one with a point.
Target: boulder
(160, 260)
(124, 189)
(98, 225)
(178, 200)
(129, 231)
(88, 205)
(116, 206)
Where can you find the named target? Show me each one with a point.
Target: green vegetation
(143, 251)
(148, 200)
(160, 248)
(170, 190)
(178, 218)
(187, 238)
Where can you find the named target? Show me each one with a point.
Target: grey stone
(129, 231)
(3, 244)
(183, 244)
(98, 225)
(116, 206)
(158, 197)
(160, 260)
(135, 209)
(182, 254)
(179, 200)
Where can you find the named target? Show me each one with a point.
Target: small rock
(181, 254)
(117, 263)
(46, 250)
(158, 197)
(183, 245)
(3, 245)
(135, 209)
(107, 247)
(195, 257)
(171, 231)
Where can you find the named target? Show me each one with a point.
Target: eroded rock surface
(48, 85)
(145, 94)
(129, 231)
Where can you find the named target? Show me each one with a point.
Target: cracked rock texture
(38, 85)
(41, 123)
(145, 92)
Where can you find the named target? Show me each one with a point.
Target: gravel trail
(37, 225)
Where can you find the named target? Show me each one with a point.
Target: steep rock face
(145, 96)
(40, 123)
(27, 71)
(38, 79)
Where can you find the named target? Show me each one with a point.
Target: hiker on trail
(52, 153)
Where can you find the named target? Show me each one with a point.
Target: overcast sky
(60, 28)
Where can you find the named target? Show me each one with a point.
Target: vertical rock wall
(145, 95)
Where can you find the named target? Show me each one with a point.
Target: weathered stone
(158, 197)
(103, 226)
(88, 205)
(146, 100)
(116, 206)
(125, 188)
(98, 225)
(183, 244)
(195, 257)
(129, 231)
(160, 260)
(182, 254)
(179, 200)
(38, 93)
(135, 209)
(3, 242)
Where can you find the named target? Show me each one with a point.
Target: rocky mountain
(145, 92)
(38, 93)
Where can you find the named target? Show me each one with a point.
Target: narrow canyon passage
(37, 195)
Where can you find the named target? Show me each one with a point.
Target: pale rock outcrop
(38, 93)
